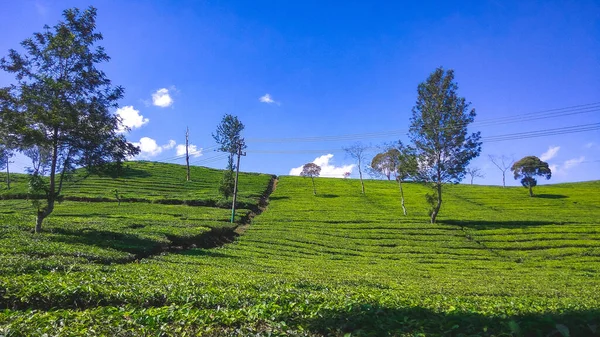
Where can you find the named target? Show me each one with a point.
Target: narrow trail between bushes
(217, 236)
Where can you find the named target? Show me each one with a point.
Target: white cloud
(327, 168)
(268, 99)
(193, 150)
(551, 153)
(573, 162)
(149, 147)
(130, 118)
(567, 165)
(162, 98)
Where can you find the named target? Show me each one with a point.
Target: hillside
(498, 263)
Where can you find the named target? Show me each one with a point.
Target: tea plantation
(498, 263)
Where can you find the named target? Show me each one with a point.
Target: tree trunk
(314, 188)
(402, 197)
(7, 176)
(503, 179)
(530, 191)
(187, 155)
(362, 184)
(472, 180)
(51, 194)
(439, 203)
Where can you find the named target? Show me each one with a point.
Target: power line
(519, 118)
(490, 139)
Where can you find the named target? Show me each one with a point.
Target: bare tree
(187, 153)
(474, 172)
(503, 163)
(311, 170)
(358, 152)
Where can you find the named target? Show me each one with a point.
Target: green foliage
(529, 167)
(335, 264)
(229, 137)
(62, 101)
(438, 132)
(227, 184)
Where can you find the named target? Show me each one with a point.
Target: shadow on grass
(124, 242)
(327, 196)
(374, 320)
(486, 224)
(550, 196)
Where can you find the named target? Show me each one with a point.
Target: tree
(227, 184)
(503, 163)
(62, 102)
(439, 135)
(229, 137)
(5, 155)
(384, 163)
(474, 172)
(311, 170)
(529, 167)
(406, 167)
(358, 152)
(187, 153)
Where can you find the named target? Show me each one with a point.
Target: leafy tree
(358, 152)
(228, 136)
(503, 163)
(529, 167)
(474, 172)
(384, 163)
(311, 170)
(439, 135)
(227, 184)
(62, 101)
(406, 167)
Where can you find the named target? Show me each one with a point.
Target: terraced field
(340, 263)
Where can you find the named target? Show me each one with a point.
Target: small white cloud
(149, 147)
(130, 118)
(268, 99)
(589, 145)
(551, 153)
(573, 162)
(162, 98)
(193, 150)
(327, 168)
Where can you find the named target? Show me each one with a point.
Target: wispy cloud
(562, 169)
(328, 169)
(162, 98)
(551, 153)
(266, 98)
(194, 151)
(149, 147)
(573, 162)
(130, 118)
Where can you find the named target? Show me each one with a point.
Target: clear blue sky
(335, 68)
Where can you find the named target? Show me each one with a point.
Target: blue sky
(336, 68)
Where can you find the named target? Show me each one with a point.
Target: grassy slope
(151, 181)
(497, 262)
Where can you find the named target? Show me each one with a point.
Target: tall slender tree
(358, 152)
(311, 170)
(63, 102)
(229, 138)
(439, 135)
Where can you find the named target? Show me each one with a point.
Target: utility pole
(240, 143)
(187, 154)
